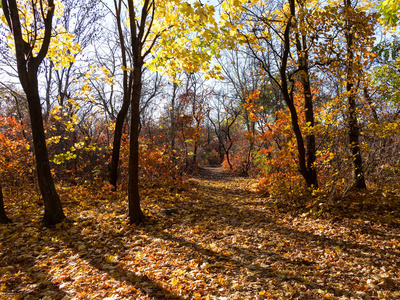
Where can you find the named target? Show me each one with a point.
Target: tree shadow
(220, 263)
(205, 207)
(24, 278)
(85, 248)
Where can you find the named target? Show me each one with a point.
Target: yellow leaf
(174, 281)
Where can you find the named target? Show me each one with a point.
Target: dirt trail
(214, 173)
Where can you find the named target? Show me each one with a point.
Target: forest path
(222, 185)
(213, 237)
(216, 173)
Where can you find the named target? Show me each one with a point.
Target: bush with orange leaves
(155, 165)
(277, 158)
(16, 158)
(279, 167)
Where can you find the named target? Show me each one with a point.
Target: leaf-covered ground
(214, 238)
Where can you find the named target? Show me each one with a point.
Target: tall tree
(163, 28)
(303, 43)
(351, 93)
(274, 36)
(30, 50)
(127, 82)
(347, 42)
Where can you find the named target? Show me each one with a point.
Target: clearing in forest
(212, 238)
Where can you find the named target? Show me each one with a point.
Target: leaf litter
(222, 241)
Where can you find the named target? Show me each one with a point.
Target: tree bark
(303, 59)
(354, 131)
(28, 65)
(288, 98)
(119, 125)
(127, 87)
(138, 40)
(173, 124)
(53, 212)
(135, 213)
(3, 217)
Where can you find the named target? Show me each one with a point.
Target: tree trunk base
(135, 220)
(50, 220)
(359, 185)
(5, 220)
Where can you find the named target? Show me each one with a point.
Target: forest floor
(211, 238)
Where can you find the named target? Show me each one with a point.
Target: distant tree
(242, 75)
(225, 113)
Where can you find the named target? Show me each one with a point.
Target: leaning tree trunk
(3, 217)
(119, 125)
(127, 88)
(288, 98)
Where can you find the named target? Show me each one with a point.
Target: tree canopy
(231, 149)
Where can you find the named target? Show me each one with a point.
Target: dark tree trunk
(173, 124)
(135, 213)
(127, 86)
(194, 161)
(312, 180)
(354, 131)
(138, 40)
(306, 153)
(310, 138)
(53, 212)
(228, 160)
(288, 98)
(3, 217)
(302, 54)
(28, 65)
(119, 126)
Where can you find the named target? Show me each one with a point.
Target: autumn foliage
(219, 173)
(16, 157)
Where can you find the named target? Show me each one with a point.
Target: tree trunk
(28, 66)
(194, 160)
(119, 125)
(310, 138)
(53, 212)
(3, 217)
(302, 54)
(306, 156)
(135, 213)
(228, 160)
(309, 116)
(127, 86)
(354, 131)
(288, 98)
